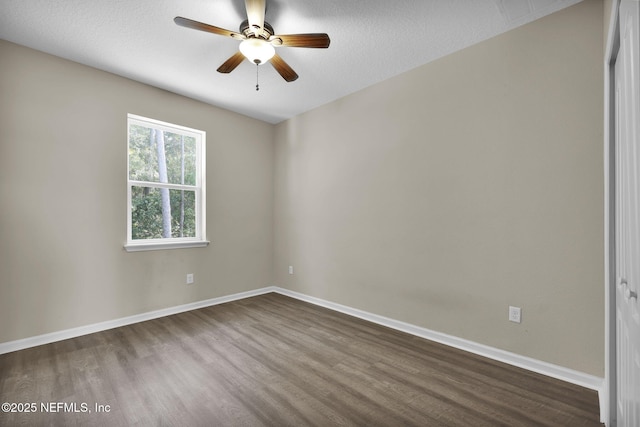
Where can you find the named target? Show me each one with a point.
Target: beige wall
(444, 195)
(63, 140)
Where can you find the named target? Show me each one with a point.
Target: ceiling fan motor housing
(266, 33)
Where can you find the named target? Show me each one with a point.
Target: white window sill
(158, 246)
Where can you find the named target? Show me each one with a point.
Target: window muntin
(165, 181)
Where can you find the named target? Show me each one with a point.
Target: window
(165, 181)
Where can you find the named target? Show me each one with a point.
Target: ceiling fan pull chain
(257, 85)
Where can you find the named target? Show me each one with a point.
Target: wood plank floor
(275, 361)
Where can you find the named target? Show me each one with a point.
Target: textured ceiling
(371, 40)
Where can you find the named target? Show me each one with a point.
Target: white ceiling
(371, 40)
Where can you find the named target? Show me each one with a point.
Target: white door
(627, 75)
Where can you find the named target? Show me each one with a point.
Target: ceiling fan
(258, 40)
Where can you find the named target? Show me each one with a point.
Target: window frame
(200, 239)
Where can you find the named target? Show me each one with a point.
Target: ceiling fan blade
(255, 14)
(315, 40)
(189, 23)
(231, 63)
(283, 68)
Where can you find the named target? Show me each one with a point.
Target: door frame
(608, 402)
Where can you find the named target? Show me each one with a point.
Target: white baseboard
(548, 369)
(21, 344)
(559, 372)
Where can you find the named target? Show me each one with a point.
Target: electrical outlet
(514, 314)
(189, 278)
(291, 269)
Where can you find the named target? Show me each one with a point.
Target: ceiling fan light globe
(257, 50)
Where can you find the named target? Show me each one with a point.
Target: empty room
(317, 213)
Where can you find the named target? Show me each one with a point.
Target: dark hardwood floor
(276, 361)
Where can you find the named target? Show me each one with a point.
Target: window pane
(181, 158)
(160, 156)
(143, 154)
(149, 220)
